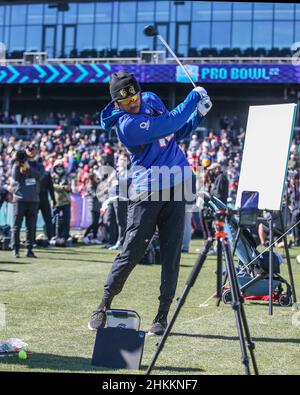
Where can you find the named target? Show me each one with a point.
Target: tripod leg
(288, 260)
(250, 343)
(226, 275)
(219, 272)
(236, 306)
(236, 242)
(180, 301)
(223, 285)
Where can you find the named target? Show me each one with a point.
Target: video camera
(21, 156)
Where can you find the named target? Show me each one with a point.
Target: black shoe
(159, 325)
(31, 254)
(97, 320)
(16, 254)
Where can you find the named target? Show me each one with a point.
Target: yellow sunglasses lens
(129, 100)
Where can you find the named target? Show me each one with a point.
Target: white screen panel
(266, 151)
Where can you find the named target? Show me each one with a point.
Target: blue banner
(151, 73)
(81, 216)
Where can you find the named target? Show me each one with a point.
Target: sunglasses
(133, 98)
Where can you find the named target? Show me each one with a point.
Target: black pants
(143, 217)
(111, 224)
(47, 217)
(94, 225)
(121, 208)
(63, 215)
(29, 211)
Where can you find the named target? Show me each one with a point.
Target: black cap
(123, 85)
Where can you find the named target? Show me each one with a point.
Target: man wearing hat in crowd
(150, 133)
(219, 187)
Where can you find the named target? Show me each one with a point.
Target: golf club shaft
(176, 58)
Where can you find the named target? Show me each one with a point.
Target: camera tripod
(237, 298)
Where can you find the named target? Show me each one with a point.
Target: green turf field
(48, 302)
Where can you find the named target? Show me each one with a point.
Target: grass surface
(48, 303)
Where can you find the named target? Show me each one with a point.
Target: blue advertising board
(151, 73)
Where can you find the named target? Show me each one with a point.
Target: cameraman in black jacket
(45, 187)
(25, 201)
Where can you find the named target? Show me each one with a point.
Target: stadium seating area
(193, 52)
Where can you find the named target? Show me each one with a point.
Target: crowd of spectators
(60, 119)
(84, 152)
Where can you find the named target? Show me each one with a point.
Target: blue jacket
(151, 137)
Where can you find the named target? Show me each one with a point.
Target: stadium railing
(48, 127)
(30, 128)
(189, 60)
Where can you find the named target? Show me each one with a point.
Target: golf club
(150, 31)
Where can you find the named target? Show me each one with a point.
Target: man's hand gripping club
(205, 103)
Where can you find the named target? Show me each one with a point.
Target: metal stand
(239, 310)
(271, 264)
(288, 260)
(237, 298)
(219, 296)
(219, 272)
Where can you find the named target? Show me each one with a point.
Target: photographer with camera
(45, 186)
(25, 201)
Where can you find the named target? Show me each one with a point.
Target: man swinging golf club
(149, 132)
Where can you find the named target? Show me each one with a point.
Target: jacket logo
(131, 89)
(123, 92)
(145, 125)
(165, 141)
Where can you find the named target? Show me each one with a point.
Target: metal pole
(288, 260)
(271, 265)
(236, 303)
(176, 58)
